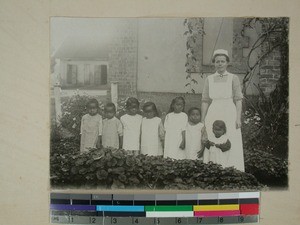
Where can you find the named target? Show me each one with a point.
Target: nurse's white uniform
(223, 108)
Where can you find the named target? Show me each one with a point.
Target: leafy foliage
(194, 34)
(72, 111)
(266, 167)
(111, 168)
(271, 133)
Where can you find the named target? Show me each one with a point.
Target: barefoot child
(217, 147)
(132, 126)
(193, 134)
(91, 127)
(112, 134)
(152, 131)
(175, 125)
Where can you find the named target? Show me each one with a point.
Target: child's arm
(201, 151)
(120, 133)
(120, 141)
(183, 133)
(161, 132)
(207, 144)
(99, 141)
(224, 147)
(182, 145)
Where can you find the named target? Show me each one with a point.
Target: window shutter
(103, 74)
(97, 78)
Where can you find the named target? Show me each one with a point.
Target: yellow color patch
(215, 207)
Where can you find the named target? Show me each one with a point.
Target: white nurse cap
(220, 52)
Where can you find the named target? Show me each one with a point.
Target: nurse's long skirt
(225, 109)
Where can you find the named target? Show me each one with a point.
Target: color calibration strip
(162, 209)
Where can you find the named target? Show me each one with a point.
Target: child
(91, 127)
(175, 125)
(112, 135)
(193, 134)
(132, 126)
(217, 149)
(152, 131)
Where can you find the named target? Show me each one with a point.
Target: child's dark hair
(110, 105)
(192, 109)
(131, 101)
(220, 124)
(171, 109)
(147, 104)
(92, 101)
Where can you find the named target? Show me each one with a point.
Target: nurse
(222, 100)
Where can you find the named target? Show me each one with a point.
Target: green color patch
(169, 208)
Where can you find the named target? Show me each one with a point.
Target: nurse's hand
(238, 124)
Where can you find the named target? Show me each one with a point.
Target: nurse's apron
(223, 108)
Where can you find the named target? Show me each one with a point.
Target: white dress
(215, 154)
(112, 130)
(193, 140)
(131, 131)
(152, 130)
(91, 128)
(223, 108)
(174, 124)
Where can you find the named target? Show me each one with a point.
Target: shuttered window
(72, 74)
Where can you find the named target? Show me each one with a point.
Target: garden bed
(116, 169)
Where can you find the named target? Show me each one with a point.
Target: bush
(72, 111)
(266, 167)
(110, 168)
(74, 108)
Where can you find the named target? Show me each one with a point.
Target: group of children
(179, 136)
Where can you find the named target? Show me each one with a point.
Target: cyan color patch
(120, 208)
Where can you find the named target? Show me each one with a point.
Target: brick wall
(269, 71)
(123, 59)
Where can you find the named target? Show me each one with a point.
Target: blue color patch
(120, 208)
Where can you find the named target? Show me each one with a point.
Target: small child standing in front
(91, 127)
(112, 134)
(152, 131)
(175, 126)
(193, 134)
(217, 147)
(132, 126)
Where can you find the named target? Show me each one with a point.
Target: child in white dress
(193, 134)
(218, 146)
(132, 126)
(175, 126)
(152, 131)
(91, 127)
(112, 135)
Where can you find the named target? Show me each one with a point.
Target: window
(100, 75)
(72, 74)
(218, 34)
(103, 74)
(85, 74)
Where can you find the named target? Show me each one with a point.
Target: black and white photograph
(196, 103)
